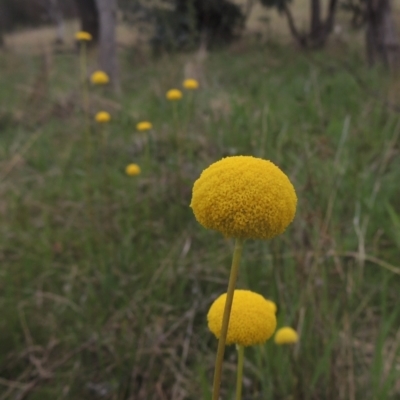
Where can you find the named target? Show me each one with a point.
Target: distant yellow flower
(99, 78)
(174, 94)
(144, 126)
(83, 36)
(244, 197)
(190, 84)
(252, 320)
(132, 170)
(102, 117)
(286, 335)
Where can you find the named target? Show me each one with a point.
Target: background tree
(381, 39)
(89, 17)
(320, 28)
(107, 11)
(183, 24)
(57, 16)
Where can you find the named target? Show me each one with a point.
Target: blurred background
(106, 278)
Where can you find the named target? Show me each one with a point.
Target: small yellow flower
(286, 335)
(99, 78)
(132, 169)
(190, 84)
(83, 36)
(244, 197)
(174, 95)
(144, 126)
(252, 320)
(102, 117)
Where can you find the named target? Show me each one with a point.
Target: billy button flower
(144, 126)
(245, 198)
(173, 95)
(99, 78)
(252, 322)
(83, 36)
(132, 169)
(286, 335)
(190, 84)
(103, 117)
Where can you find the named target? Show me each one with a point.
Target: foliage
(357, 9)
(279, 4)
(22, 13)
(180, 24)
(114, 304)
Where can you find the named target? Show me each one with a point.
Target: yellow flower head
(83, 36)
(173, 95)
(272, 305)
(103, 117)
(132, 169)
(244, 197)
(286, 335)
(190, 84)
(252, 320)
(99, 78)
(144, 126)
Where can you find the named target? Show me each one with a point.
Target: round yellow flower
(144, 126)
(252, 319)
(244, 197)
(286, 335)
(132, 170)
(83, 36)
(102, 117)
(174, 94)
(272, 305)
(190, 84)
(99, 78)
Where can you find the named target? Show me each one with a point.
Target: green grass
(116, 303)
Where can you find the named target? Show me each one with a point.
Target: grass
(113, 307)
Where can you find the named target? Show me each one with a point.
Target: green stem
(85, 103)
(106, 181)
(239, 376)
(147, 151)
(225, 320)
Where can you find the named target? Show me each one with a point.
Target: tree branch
(301, 40)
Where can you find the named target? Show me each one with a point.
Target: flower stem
(239, 376)
(237, 253)
(85, 101)
(85, 104)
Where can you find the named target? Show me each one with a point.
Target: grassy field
(106, 279)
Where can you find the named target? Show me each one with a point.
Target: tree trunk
(315, 17)
(319, 29)
(89, 17)
(108, 44)
(57, 16)
(2, 23)
(381, 39)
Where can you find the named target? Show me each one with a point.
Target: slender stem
(106, 181)
(147, 151)
(85, 100)
(175, 119)
(85, 103)
(239, 376)
(225, 321)
(190, 118)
